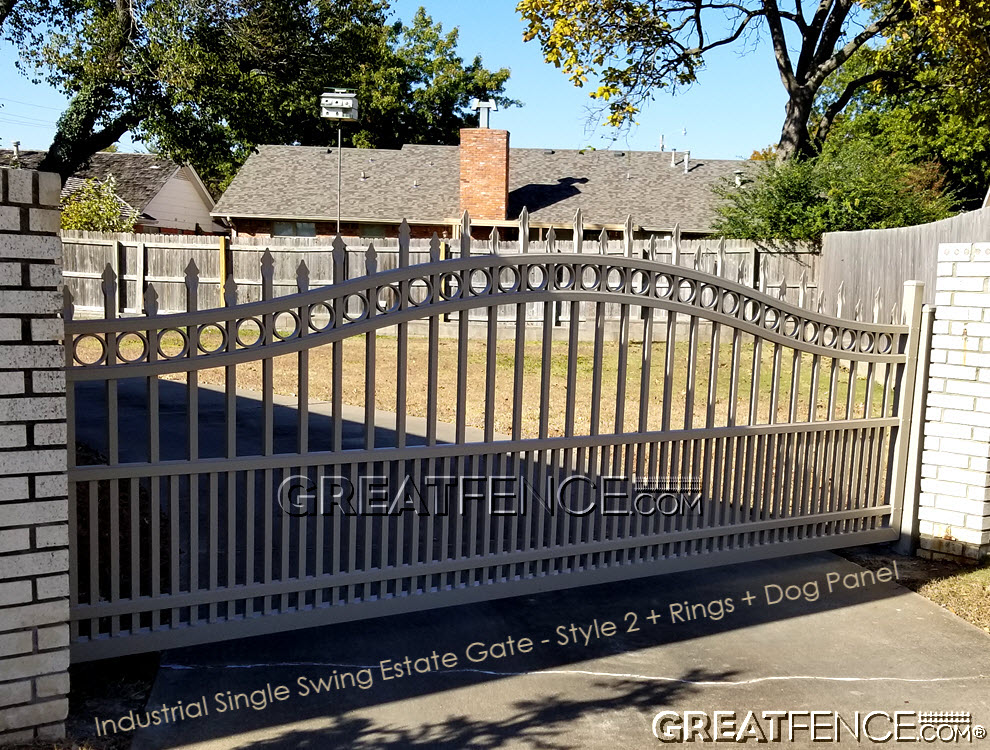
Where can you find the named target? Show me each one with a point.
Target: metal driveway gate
(792, 424)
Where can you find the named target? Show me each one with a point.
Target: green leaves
(206, 82)
(94, 207)
(855, 187)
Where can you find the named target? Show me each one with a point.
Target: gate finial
(267, 265)
(109, 288)
(192, 274)
(858, 309)
(675, 251)
(302, 276)
(151, 301)
(339, 250)
(627, 236)
(578, 231)
(803, 289)
(371, 259)
(876, 306)
(465, 234)
(783, 289)
(551, 240)
(267, 274)
(405, 233)
(230, 291)
(524, 230)
(740, 271)
(721, 258)
(696, 262)
(493, 241)
(652, 251)
(68, 305)
(603, 241)
(840, 299)
(434, 248)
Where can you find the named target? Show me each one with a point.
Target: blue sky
(737, 105)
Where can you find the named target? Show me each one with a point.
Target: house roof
(421, 183)
(139, 176)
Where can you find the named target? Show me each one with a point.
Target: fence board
(885, 258)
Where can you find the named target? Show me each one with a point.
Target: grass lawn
(961, 589)
(560, 401)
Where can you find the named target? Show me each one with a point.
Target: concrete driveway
(877, 647)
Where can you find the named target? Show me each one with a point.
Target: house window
(293, 229)
(373, 231)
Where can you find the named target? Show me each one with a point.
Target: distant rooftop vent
(549, 151)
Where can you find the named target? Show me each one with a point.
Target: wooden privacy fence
(876, 262)
(161, 260)
(183, 532)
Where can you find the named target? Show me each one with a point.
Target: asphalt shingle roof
(139, 176)
(421, 183)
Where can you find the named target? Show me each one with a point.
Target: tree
(933, 110)
(206, 82)
(637, 47)
(94, 207)
(785, 203)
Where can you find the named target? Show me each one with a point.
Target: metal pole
(340, 156)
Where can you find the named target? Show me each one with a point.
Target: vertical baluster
(267, 363)
(175, 584)
(402, 342)
(153, 347)
(370, 349)
(338, 310)
(113, 450)
(230, 371)
(792, 440)
(433, 344)
(622, 377)
(250, 511)
(192, 351)
(689, 462)
(302, 364)
(675, 246)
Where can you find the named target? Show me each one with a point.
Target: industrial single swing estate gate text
(200, 511)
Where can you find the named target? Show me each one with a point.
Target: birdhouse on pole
(339, 104)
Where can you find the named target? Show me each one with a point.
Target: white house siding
(180, 205)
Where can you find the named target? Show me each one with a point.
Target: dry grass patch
(561, 401)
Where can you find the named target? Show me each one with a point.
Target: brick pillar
(34, 533)
(484, 158)
(954, 506)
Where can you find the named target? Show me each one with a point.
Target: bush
(784, 204)
(94, 207)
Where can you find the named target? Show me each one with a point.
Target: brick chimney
(485, 173)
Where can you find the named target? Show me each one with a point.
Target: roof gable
(139, 176)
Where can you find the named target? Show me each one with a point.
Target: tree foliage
(205, 82)
(785, 203)
(94, 207)
(927, 103)
(638, 47)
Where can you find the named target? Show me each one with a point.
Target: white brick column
(34, 533)
(954, 506)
